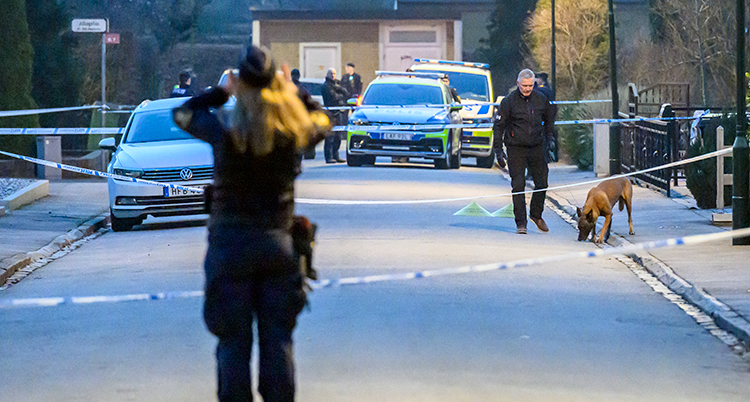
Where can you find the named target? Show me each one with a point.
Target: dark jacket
(352, 84)
(334, 94)
(256, 191)
(182, 90)
(521, 118)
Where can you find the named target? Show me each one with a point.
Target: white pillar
(458, 40)
(256, 33)
(601, 149)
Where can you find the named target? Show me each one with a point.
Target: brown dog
(600, 201)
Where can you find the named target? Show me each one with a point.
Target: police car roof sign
(90, 25)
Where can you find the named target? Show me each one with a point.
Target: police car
(473, 83)
(419, 102)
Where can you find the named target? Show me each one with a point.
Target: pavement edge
(725, 318)
(26, 195)
(11, 265)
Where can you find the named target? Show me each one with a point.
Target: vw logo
(186, 174)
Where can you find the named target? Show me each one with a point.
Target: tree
(57, 73)
(504, 49)
(582, 43)
(16, 56)
(695, 40)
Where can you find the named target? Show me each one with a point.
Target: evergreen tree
(16, 56)
(57, 73)
(504, 49)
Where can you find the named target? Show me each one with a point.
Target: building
(376, 35)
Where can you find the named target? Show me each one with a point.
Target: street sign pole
(104, 79)
(740, 152)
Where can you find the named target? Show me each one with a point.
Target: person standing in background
(351, 81)
(183, 89)
(334, 95)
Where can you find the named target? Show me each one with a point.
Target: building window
(413, 37)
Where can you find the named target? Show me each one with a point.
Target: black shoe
(339, 160)
(330, 160)
(521, 230)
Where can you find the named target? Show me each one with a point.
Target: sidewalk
(713, 276)
(73, 210)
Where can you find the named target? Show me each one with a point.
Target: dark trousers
(520, 158)
(331, 146)
(255, 281)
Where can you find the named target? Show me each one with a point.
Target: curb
(724, 317)
(11, 265)
(26, 195)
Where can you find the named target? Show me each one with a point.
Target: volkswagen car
(473, 83)
(154, 148)
(410, 100)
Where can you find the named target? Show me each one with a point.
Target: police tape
(437, 127)
(313, 201)
(444, 105)
(363, 127)
(360, 280)
(97, 173)
(62, 131)
(10, 113)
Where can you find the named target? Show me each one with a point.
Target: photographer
(252, 267)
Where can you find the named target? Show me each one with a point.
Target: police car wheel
(455, 160)
(123, 224)
(353, 160)
(486, 162)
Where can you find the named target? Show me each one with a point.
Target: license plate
(397, 136)
(178, 192)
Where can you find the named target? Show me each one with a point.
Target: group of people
(254, 267)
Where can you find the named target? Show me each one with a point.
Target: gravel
(10, 186)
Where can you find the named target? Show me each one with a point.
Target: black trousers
(253, 276)
(520, 158)
(332, 143)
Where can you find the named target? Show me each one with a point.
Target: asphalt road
(574, 331)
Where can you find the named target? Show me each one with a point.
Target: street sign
(112, 38)
(90, 25)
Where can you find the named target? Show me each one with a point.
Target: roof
(372, 10)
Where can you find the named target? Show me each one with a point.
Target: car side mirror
(351, 101)
(108, 143)
(455, 107)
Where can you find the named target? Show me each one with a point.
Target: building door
(404, 43)
(317, 58)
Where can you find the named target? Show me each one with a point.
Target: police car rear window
(402, 94)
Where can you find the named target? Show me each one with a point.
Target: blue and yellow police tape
(360, 280)
(314, 201)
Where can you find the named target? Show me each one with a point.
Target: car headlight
(134, 173)
(360, 122)
(478, 121)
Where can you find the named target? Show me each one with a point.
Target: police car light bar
(455, 63)
(410, 74)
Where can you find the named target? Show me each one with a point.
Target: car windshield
(313, 88)
(402, 94)
(154, 126)
(469, 86)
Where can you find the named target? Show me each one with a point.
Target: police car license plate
(178, 192)
(397, 136)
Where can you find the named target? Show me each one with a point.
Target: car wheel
(123, 224)
(310, 153)
(455, 160)
(446, 162)
(353, 160)
(486, 161)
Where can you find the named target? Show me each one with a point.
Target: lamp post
(740, 151)
(553, 67)
(614, 130)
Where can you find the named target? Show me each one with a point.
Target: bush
(701, 176)
(576, 140)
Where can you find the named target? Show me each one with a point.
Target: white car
(313, 85)
(154, 148)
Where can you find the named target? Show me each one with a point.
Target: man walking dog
(525, 125)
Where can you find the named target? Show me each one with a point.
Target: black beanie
(257, 69)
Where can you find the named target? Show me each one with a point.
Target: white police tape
(313, 201)
(61, 131)
(359, 280)
(10, 113)
(97, 173)
(443, 105)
